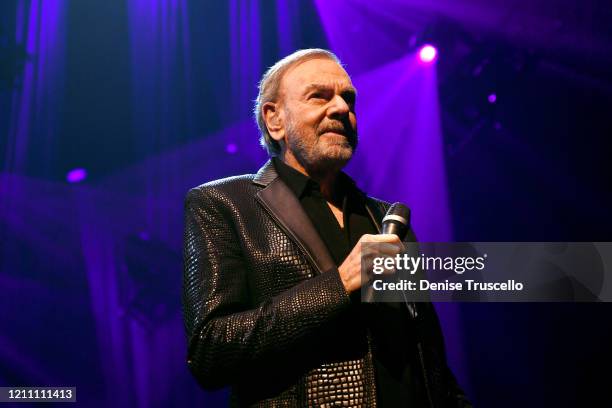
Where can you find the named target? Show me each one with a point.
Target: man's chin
(335, 157)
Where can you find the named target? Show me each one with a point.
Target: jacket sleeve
(227, 336)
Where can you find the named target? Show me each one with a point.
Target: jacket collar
(287, 212)
(266, 174)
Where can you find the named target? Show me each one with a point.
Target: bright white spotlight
(428, 53)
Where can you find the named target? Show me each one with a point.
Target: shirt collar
(296, 181)
(301, 184)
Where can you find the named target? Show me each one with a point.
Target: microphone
(397, 220)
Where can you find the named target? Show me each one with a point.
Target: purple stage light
(428, 53)
(76, 175)
(492, 98)
(231, 148)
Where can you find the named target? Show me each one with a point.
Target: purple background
(110, 111)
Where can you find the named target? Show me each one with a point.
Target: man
(273, 266)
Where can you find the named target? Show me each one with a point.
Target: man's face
(318, 101)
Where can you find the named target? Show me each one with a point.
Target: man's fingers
(390, 247)
(368, 238)
(382, 249)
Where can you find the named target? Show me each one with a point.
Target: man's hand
(388, 245)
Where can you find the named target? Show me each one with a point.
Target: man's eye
(349, 98)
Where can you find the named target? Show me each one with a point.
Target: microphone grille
(397, 211)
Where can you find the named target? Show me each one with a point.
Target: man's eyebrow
(318, 87)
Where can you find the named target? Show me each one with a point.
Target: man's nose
(338, 107)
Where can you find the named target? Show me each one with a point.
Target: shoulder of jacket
(223, 190)
(225, 184)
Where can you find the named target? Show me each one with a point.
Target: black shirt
(338, 240)
(396, 386)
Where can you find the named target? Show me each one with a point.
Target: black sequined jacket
(266, 312)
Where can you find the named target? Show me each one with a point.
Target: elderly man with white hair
(272, 266)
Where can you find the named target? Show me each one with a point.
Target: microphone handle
(399, 229)
(388, 227)
(395, 227)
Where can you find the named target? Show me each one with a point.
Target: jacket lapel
(287, 212)
(375, 213)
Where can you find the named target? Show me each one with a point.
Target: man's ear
(273, 118)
